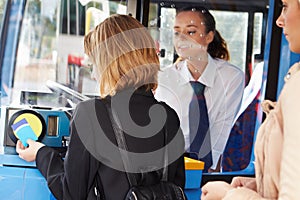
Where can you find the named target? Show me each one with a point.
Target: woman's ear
(210, 37)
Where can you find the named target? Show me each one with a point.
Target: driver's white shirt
(223, 93)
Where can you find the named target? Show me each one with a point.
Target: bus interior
(43, 66)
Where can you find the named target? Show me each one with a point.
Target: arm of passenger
(222, 190)
(247, 182)
(51, 166)
(290, 161)
(225, 119)
(176, 146)
(243, 193)
(68, 178)
(180, 170)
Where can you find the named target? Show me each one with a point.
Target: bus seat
(237, 153)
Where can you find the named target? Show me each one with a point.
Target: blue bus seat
(237, 153)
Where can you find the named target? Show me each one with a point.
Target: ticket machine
(50, 123)
(20, 179)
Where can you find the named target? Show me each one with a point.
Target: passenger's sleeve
(51, 165)
(179, 178)
(69, 178)
(242, 193)
(177, 148)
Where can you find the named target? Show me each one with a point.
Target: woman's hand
(247, 182)
(268, 105)
(215, 190)
(29, 153)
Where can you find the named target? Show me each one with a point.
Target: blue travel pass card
(23, 131)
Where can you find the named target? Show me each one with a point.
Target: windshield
(50, 56)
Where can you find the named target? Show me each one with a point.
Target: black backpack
(163, 190)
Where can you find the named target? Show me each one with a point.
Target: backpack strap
(165, 170)
(99, 191)
(121, 143)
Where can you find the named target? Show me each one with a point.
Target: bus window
(258, 43)
(235, 34)
(37, 47)
(50, 46)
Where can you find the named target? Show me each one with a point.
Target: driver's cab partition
(248, 38)
(237, 153)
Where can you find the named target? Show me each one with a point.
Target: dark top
(89, 152)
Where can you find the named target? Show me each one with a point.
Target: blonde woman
(126, 66)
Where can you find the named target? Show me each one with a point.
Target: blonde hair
(124, 54)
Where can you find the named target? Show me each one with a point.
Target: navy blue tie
(200, 147)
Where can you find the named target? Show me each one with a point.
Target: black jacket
(92, 146)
